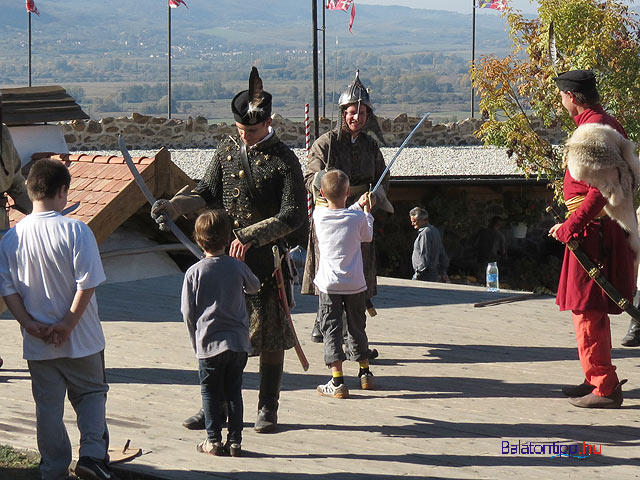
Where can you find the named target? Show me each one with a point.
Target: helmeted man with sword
(350, 149)
(257, 179)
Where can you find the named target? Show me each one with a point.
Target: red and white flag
(31, 7)
(495, 4)
(177, 3)
(344, 6)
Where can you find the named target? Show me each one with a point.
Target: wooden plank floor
(455, 383)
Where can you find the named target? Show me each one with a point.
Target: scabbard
(595, 272)
(282, 294)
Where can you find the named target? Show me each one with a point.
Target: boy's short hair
(335, 185)
(212, 230)
(45, 179)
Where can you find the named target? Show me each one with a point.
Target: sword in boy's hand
(282, 294)
(404, 144)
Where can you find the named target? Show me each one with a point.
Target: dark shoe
(195, 422)
(632, 337)
(270, 383)
(234, 449)
(212, 448)
(373, 353)
(316, 334)
(89, 468)
(578, 390)
(596, 401)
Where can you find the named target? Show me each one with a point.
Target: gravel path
(424, 161)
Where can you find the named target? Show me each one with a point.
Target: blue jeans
(220, 381)
(83, 380)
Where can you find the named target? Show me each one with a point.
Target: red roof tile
(100, 184)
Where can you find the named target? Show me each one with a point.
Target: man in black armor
(258, 180)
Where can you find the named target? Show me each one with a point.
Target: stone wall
(146, 132)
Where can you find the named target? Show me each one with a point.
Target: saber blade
(193, 248)
(424, 117)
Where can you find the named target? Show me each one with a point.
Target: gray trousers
(84, 381)
(330, 314)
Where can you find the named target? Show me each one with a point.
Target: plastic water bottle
(493, 283)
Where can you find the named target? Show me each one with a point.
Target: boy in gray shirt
(215, 313)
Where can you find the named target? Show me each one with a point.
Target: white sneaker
(330, 390)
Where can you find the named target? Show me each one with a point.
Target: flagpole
(169, 64)
(314, 14)
(473, 52)
(29, 13)
(324, 67)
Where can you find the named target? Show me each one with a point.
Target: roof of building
(106, 190)
(29, 105)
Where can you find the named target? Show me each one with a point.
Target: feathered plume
(256, 94)
(553, 52)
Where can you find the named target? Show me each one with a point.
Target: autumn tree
(601, 35)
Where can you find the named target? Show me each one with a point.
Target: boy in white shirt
(340, 279)
(49, 269)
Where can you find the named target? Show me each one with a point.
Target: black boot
(632, 338)
(195, 422)
(270, 382)
(316, 334)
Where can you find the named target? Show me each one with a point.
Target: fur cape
(600, 156)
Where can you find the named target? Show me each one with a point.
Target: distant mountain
(258, 23)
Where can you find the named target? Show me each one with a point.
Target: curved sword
(193, 248)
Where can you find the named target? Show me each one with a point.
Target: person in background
(429, 258)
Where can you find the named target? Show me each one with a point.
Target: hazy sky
(463, 6)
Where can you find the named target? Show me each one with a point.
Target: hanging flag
(177, 3)
(31, 7)
(495, 4)
(344, 6)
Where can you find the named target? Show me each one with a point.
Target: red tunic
(604, 241)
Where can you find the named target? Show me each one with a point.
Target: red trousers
(593, 334)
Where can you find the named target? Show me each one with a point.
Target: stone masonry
(147, 132)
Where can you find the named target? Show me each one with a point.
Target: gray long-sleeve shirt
(429, 257)
(213, 305)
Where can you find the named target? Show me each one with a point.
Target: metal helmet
(355, 93)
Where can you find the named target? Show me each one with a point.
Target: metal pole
(473, 52)
(29, 48)
(324, 68)
(314, 13)
(169, 69)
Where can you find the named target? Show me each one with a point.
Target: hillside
(122, 43)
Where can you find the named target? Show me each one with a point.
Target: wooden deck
(455, 383)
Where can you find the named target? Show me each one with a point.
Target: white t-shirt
(46, 258)
(340, 233)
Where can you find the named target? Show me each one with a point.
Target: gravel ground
(424, 161)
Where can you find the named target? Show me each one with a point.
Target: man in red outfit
(603, 240)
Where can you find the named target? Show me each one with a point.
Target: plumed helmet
(355, 93)
(252, 106)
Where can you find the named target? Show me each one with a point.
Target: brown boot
(578, 390)
(596, 401)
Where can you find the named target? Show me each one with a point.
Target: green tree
(601, 35)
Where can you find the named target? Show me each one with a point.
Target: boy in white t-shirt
(340, 280)
(49, 269)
